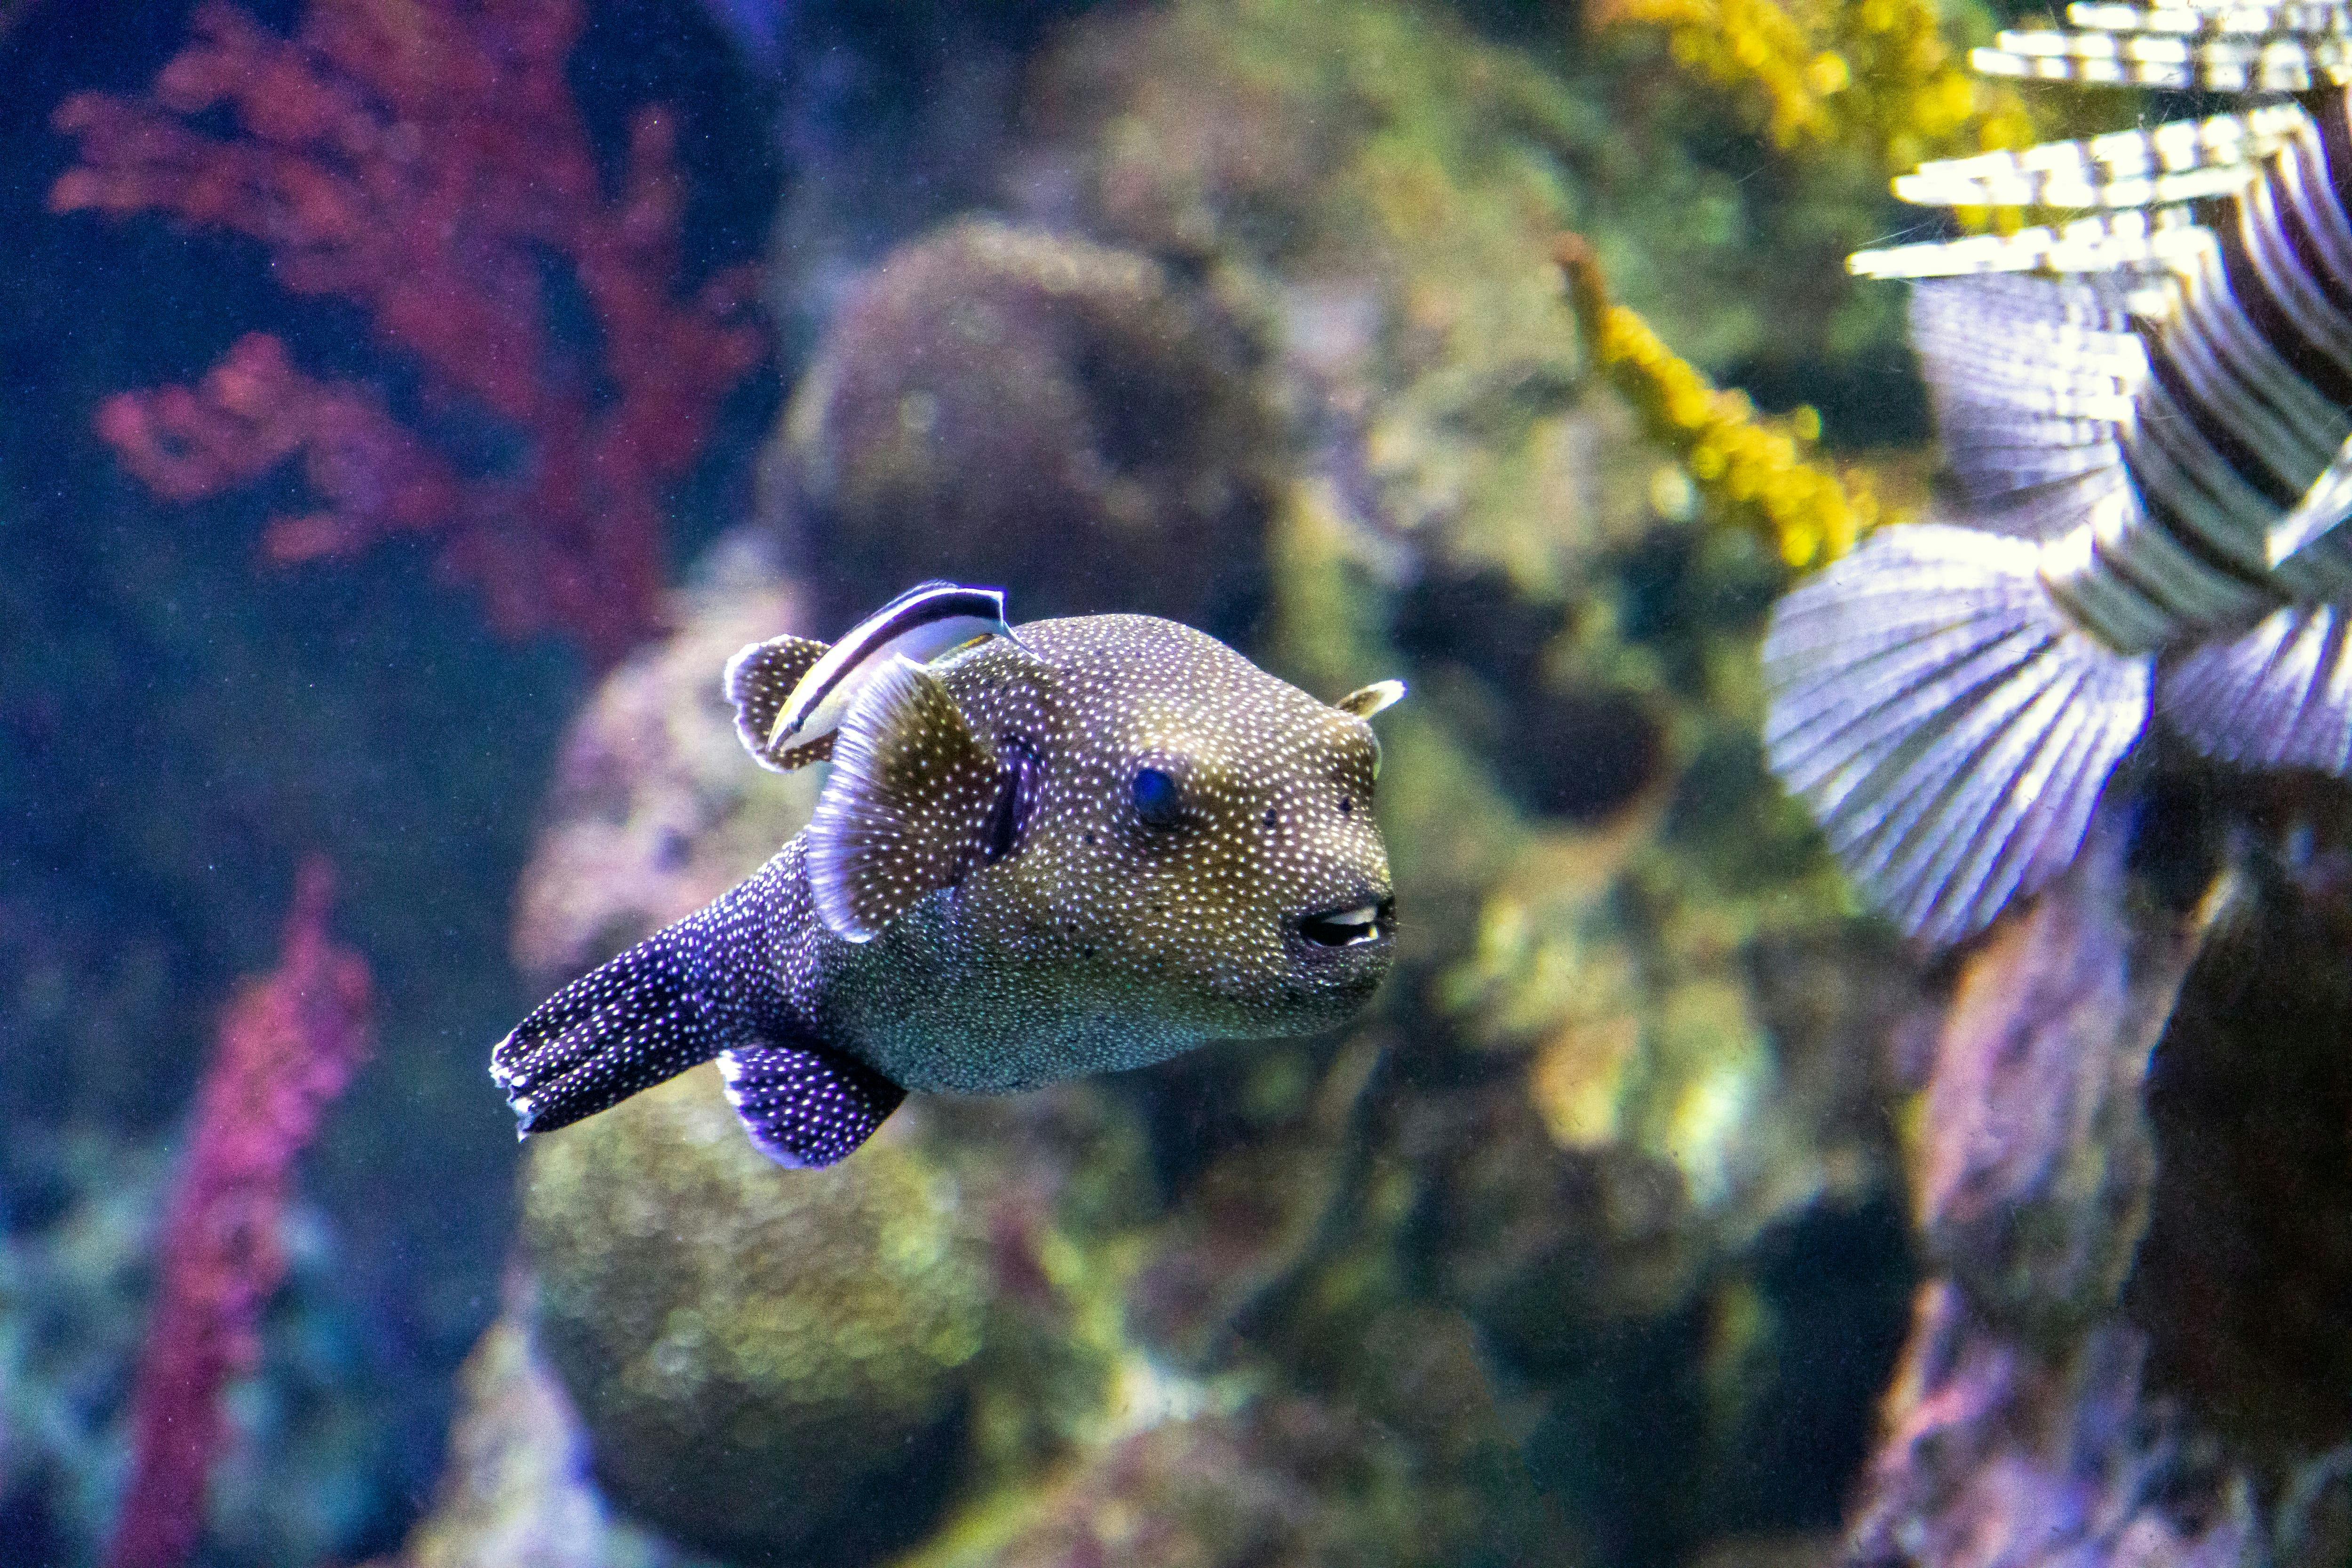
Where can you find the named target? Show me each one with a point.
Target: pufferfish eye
(1158, 800)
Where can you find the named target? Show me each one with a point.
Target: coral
(1629, 1128)
(423, 161)
(2126, 1163)
(1006, 405)
(515, 1491)
(1279, 1482)
(286, 1047)
(722, 1322)
(1873, 76)
(1750, 472)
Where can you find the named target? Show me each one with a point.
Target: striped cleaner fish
(2147, 419)
(1088, 847)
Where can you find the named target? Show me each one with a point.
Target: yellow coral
(1873, 76)
(1754, 470)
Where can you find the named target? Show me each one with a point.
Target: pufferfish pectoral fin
(759, 680)
(803, 1105)
(910, 807)
(1945, 724)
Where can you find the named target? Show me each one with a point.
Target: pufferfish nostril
(1350, 925)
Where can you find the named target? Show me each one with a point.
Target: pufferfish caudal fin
(704, 987)
(1945, 723)
(916, 800)
(920, 625)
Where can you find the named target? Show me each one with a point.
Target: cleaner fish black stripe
(2147, 420)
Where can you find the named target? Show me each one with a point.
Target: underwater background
(411, 406)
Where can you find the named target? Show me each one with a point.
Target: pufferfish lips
(1370, 921)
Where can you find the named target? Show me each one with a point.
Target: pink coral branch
(286, 1045)
(423, 159)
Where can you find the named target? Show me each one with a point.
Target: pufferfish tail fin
(1946, 725)
(704, 987)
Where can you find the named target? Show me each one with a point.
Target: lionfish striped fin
(2179, 161)
(2128, 241)
(2278, 697)
(2318, 515)
(2214, 17)
(1945, 723)
(2212, 61)
(2032, 380)
(2228, 16)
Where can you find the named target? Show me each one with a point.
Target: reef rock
(770, 1363)
(655, 810)
(998, 405)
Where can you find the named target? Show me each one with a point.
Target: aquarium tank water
(1175, 783)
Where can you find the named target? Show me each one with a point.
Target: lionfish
(2146, 418)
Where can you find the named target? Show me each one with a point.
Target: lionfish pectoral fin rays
(907, 810)
(2322, 510)
(2278, 697)
(1948, 727)
(2031, 380)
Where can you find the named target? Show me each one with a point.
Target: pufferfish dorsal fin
(909, 805)
(760, 679)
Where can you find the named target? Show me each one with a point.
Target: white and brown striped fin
(2278, 697)
(2215, 17)
(2128, 241)
(1948, 727)
(2179, 161)
(2218, 59)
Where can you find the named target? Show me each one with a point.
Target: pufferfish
(1083, 846)
(2146, 411)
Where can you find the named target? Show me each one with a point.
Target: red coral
(286, 1045)
(424, 159)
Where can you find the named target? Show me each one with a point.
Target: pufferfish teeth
(1342, 928)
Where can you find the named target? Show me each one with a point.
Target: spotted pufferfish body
(1085, 846)
(2145, 414)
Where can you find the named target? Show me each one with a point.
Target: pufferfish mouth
(1352, 925)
